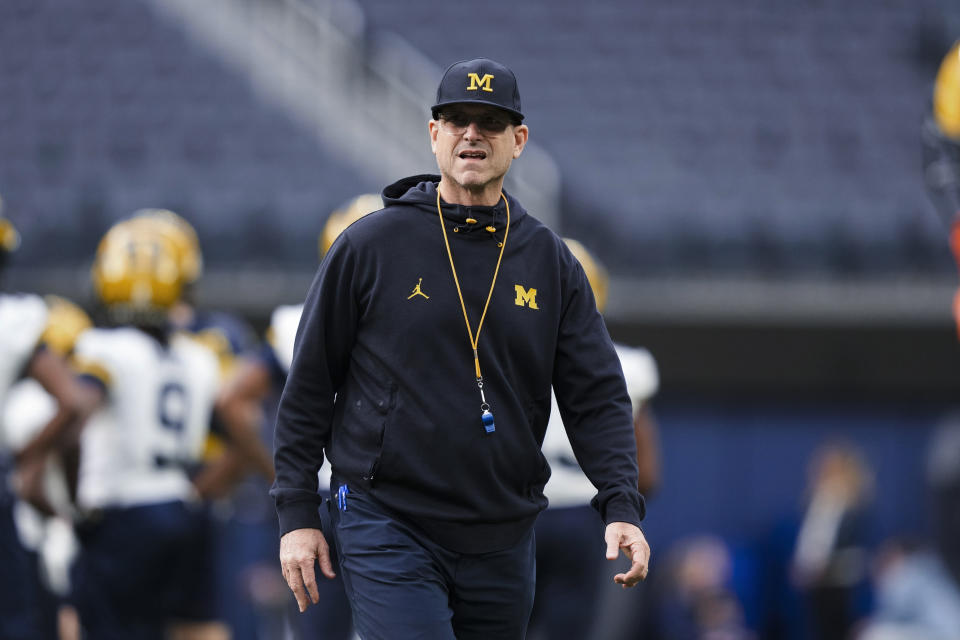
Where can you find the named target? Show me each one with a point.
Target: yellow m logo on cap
(476, 82)
(525, 297)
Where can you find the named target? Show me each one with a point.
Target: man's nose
(472, 131)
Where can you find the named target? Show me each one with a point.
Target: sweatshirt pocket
(369, 400)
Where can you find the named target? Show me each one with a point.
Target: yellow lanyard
(474, 339)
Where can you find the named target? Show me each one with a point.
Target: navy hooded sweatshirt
(383, 379)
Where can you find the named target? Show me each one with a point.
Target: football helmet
(9, 238)
(345, 216)
(137, 268)
(183, 236)
(65, 322)
(946, 94)
(596, 273)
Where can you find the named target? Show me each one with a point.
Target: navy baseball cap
(479, 81)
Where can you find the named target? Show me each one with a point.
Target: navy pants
(139, 568)
(403, 585)
(21, 610)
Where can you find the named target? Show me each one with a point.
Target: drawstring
(490, 228)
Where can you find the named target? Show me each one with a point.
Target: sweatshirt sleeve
(321, 356)
(593, 401)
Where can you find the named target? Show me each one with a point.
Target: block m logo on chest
(525, 297)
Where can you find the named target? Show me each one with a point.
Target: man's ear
(520, 135)
(434, 128)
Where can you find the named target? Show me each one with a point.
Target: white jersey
(23, 319)
(568, 486)
(156, 418)
(282, 334)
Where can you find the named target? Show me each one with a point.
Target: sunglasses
(456, 122)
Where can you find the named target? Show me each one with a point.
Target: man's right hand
(300, 549)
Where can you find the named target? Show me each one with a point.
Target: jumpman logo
(417, 291)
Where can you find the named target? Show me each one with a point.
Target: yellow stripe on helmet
(181, 233)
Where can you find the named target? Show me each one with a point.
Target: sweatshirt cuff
(622, 508)
(302, 514)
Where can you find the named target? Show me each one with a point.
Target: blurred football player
(259, 380)
(941, 157)
(23, 319)
(233, 447)
(49, 487)
(135, 573)
(941, 143)
(45, 513)
(567, 591)
(227, 455)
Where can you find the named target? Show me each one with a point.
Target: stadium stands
(108, 107)
(704, 135)
(692, 137)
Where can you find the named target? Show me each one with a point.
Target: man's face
(475, 145)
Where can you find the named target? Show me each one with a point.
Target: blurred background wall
(750, 173)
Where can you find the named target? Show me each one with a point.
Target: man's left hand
(629, 538)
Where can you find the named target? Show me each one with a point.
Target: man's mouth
(472, 154)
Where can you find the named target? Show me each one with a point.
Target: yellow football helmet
(9, 238)
(65, 322)
(345, 216)
(137, 268)
(946, 94)
(596, 273)
(183, 236)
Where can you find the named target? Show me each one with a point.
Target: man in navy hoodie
(423, 365)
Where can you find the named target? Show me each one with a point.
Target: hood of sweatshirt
(420, 192)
